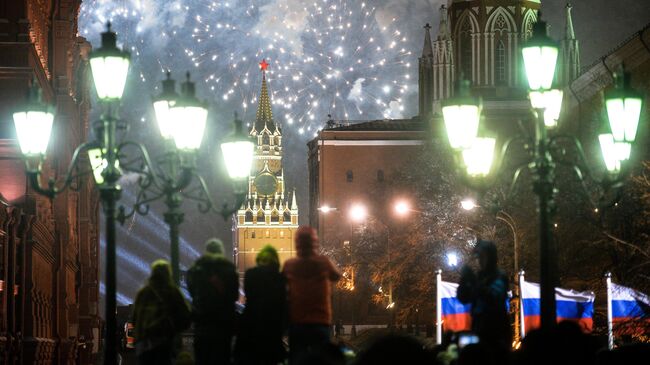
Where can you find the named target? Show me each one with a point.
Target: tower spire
(427, 50)
(264, 116)
(569, 60)
(568, 28)
(443, 28)
(425, 79)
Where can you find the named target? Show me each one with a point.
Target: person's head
(214, 246)
(161, 274)
(268, 256)
(306, 241)
(486, 253)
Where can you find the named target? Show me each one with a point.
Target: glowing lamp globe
(162, 105)
(98, 164)
(238, 152)
(34, 124)
(461, 115)
(540, 56)
(358, 212)
(614, 153)
(109, 66)
(550, 101)
(623, 106)
(478, 158)
(402, 208)
(189, 116)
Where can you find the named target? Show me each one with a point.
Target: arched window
(466, 49)
(349, 176)
(265, 139)
(500, 63)
(286, 217)
(260, 217)
(249, 216)
(275, 217)
(253, 234)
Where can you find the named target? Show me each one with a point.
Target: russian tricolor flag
(456, 316)
(628, 310)
(571, 305)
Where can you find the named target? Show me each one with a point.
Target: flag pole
(438, 307)
(522, 327)
(610, 332)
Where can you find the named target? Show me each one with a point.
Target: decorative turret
(569, 57)
(443, 62)
(426, 77)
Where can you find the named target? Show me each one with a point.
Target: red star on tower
(264, 65)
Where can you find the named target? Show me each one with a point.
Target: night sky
(351, 59)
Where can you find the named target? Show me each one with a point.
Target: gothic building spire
(264, 116)
(569, 61)
(443, 27)
(427, 51)
(443, 62)
(568, 27)
(425, 79)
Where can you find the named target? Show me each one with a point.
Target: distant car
(129, 335)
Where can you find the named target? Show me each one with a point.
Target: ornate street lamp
(182, 121)
(544, 151)
(109, 66)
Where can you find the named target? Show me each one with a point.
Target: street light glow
(468, 204)
(326, 209)
(402, 207)
(358, 212)
(452, 259)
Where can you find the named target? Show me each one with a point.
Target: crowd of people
(296, 300)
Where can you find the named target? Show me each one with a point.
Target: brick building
(49, 250)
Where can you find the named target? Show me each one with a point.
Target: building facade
(270, 213)
(49, 250)
(478, 40)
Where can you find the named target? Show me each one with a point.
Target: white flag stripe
(620, 292)
(448, 290)
(531, 291)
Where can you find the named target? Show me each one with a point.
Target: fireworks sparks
(327, 57)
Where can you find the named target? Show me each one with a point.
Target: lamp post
(545, 149)
(109, 66)
(107, 157)
(181, 120)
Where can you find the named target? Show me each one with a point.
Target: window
(287, 217)
(275, 217)
(466, 49)
(380, 175)
(349, 176)
(500, 63)
(249, 216)
(260, 217)
(281, 234)
(253, 234)
(267, 233)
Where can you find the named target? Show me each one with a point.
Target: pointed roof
(443, 29)
(427, 50)
(264, 116)
(568, 27)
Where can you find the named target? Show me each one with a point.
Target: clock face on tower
(266, 184)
